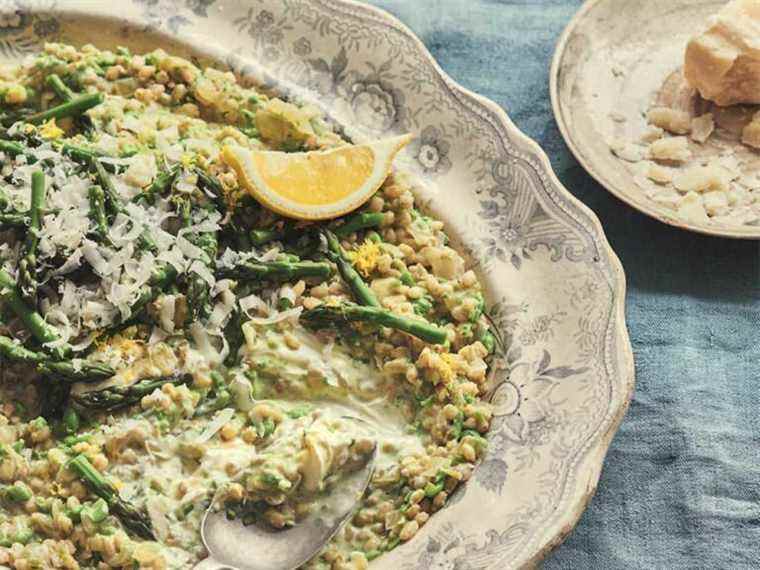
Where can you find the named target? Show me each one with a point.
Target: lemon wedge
(317, 185)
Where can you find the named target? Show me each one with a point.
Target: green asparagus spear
(116, 205)
(13, 219)
(220, 397)
(27, 265)
(358, 222)
(77, 370)
(5, 201)
(361, 291)
(161, 185)
(263, 237)
(73, 108)
(86, 156)
(349, 313)
(14, 351)
(33, 321)
(163, 275)
(14, 149)
(118, 397)
(59, 87)
(278, 270)
(233, 332)
(98, 212)
(211, 185)
(112, 198)
(83, 155)
(65, 94)
(134, 520)
(198, 291)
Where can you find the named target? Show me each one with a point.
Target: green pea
(17, 493)
(70, 421)
(489, 341)
(407, 279)
(96, 512)
(372, 554)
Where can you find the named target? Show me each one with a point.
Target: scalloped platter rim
(556, 288)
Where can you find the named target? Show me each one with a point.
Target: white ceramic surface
(555, 287)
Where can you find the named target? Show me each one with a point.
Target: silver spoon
(234, 546)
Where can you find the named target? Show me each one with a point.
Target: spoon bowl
(235, 546)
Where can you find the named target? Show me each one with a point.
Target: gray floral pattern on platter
(23, 24)
(557, 289)
(173, 14)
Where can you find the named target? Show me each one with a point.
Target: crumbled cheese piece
(672, 120)
(142, 169)
(702, 127)
(652, 134)
(672, 149)
(167, 308)
(667, 197)
(722, 63)
(444, 261)
(690, 208)
(751, 133)
(716, 203)
(627, 151)
(703, 178)
(731, 164)
(659, 174)
(739, 197)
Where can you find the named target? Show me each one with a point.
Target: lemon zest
(188, 159)
(365, 258)
(447, 367)
(50, 130)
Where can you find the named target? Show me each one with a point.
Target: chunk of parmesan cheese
(702, 127)
(703, 178)
(652, 134)
(674, 149)
(142, 169)
(691, 209)
(672, 120)
(659, 174)
(627, 151)
(716, 203)
(751, 132)
(723, 63)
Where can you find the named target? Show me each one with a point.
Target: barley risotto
(167, 342)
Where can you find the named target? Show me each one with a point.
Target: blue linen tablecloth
(681, 485)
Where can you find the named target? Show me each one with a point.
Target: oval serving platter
(555, 287)
(614, 60)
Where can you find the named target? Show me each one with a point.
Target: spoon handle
(211, 564)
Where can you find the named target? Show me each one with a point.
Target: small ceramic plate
(617, 59)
